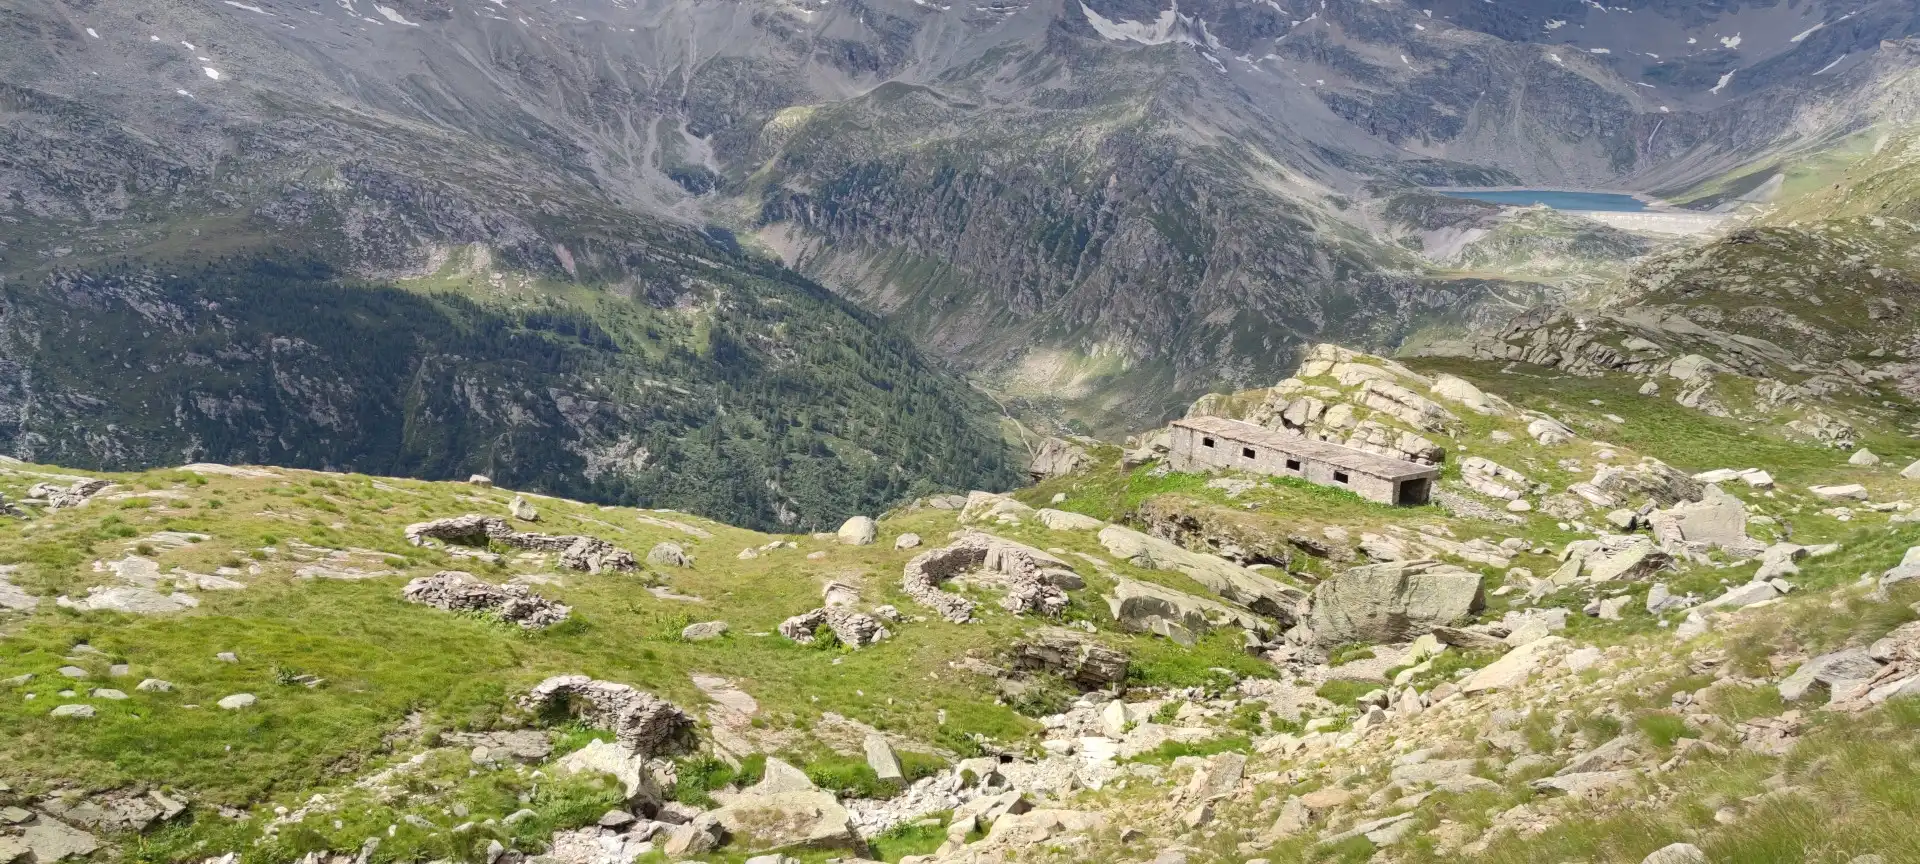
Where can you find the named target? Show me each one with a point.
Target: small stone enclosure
(1202, 443)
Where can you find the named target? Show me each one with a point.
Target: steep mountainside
(1105, 207)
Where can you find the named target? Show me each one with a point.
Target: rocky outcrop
(1144, 607)
(1392, 602)
(1198, 525)
(1492, 479)
(786, 811)
(457, 591)
(1023, 568)
(1611, 558)
(1717, 521)
(1056, 457)
(576, 551)
(1229, 581)
(647, 724)
(1071, 655)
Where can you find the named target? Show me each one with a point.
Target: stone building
(1202, 443)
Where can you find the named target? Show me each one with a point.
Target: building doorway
(1413, 493)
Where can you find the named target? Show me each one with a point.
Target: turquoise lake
(1558, 200)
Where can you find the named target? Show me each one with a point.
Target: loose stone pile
(457, 591)
(577, 551)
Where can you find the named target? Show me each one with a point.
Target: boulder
(1549, 431)
(1660, 601)
(988, 507)
(907, 541)
(1611, 558)
(615, 760)
(78, 712)
(1912, 471)
(669, 555)
(1039, 826)
(697, 837)
(1744, 595)
(480, 480)
(1392, 602)
(1650, 478)
(1908, 569)
(1863, 458)
(704, 631)
(48, 840)
(883, 761)
(1822, 673)
(1226, 579)
(1677, 853)
(457, 591)
(523, 510)
(857, 531)
(1847, 492)
(1061, 520)
(1513, 668)
(1717, 520)
(237, 701)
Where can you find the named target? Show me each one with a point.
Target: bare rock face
(1056, 457)
(1392, 602)
(853, 628)
(1072, 656)
(1230, 581)
(647, 724)
(577, 551)
(457, 591)
(1024, 567)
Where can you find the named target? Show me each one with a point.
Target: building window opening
(1206, 442)
(1293, 464)
(1247, 452)
(1340, 477)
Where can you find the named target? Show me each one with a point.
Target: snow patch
(91, 33)
(184, 93)
(1724, 80)
(1829, 67)
(392, 14)
(1164, 29)
(1403, 59)
(254, 9)
(211, 72)
(1599, 51)
(1556, 24)
(1807, 32)
(1554, 57)
(1731, 41)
